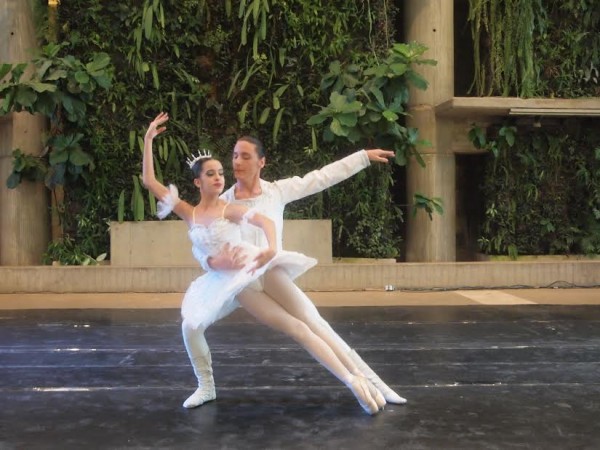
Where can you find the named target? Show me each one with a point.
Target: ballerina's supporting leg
(279, 286)
(199, 354)
(269, 312)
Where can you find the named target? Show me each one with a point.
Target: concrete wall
(323, 277)
(166, 243)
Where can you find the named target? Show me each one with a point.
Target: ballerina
(214, 223)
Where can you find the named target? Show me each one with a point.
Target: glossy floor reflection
(490, 377)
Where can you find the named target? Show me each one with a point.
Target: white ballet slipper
(203, 394)
(206, 391)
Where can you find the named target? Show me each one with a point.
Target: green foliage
(26, 167)
(60, 88)
(367, 103)
(505, 65)
(367, 107)
(533, 48)
(221, 69)
(429, 205)
(66, 252)
(568, 48)
(542, 190)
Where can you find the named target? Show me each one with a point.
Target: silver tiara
(204, 154)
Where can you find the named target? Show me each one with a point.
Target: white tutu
(211, 296)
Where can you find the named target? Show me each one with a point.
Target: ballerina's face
(211, 179)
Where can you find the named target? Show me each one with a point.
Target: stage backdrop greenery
(278, 69)
(541, 185)
(223, 69)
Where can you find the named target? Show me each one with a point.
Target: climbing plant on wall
(533, 48)
(366, 103)
(542, 189)
(60, 87)
(221, 69)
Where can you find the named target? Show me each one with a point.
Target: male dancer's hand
(379, 155)
(230, 258)
(262, 258)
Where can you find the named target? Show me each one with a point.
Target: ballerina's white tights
(288, 320)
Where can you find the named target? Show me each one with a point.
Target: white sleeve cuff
(166, 204)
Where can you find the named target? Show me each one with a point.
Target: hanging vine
(503, 46)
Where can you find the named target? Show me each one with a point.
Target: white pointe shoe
(360, 388)
(203, 394)
(376, 394)
(387, 392)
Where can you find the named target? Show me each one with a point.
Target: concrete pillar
(431, 22)
(24, 223)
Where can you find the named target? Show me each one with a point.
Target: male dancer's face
(246, 163)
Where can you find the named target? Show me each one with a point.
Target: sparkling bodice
(210, 239)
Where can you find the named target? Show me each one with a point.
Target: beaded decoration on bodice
(209, 239)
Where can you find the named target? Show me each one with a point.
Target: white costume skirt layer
(211, 296)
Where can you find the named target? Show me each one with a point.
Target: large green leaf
(56, 74)
(82, 77)
(354, 135)
(13, 180)
(7, 103)
(264, 115)
(317, 119)
(348, 119)
(340, 104)
(400, 158)
(148, 15)
(17, 72)
(277, 124)
(4, 69)
(100, 61)
(58, 157)
(398, 68)
(378, 96)
(43, 68)
(350, 80)
(41, 87)
(391, 116)
(337, 128)
(417, 80)
(78, 157)
(25, 96)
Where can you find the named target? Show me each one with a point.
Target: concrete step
(323, 277)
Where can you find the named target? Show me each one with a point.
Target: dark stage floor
(476, 377)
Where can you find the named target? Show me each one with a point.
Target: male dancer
(270, 198)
